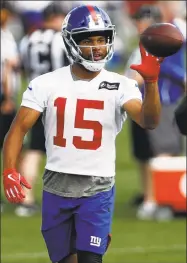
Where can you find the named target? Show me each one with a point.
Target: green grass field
(133, 241)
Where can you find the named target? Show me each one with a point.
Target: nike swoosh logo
(10, 177)
(30, 88)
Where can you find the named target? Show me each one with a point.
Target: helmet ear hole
(72, 53)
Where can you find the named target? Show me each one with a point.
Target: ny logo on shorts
(95, 241)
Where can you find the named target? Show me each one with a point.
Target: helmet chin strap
(93, 66)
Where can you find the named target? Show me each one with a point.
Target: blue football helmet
(84, 21)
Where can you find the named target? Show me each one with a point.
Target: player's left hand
(13, 186)
(150, 67)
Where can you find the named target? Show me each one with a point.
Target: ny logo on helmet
(96, 21)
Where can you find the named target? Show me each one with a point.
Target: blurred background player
(9, 81)
(181, 115)
(165, 139)
(41, 51)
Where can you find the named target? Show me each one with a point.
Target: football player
(84, 107)
(180, 115)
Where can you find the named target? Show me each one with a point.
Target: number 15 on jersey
(80, 122)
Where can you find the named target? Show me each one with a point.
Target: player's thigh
(93, 222)
(58, 228)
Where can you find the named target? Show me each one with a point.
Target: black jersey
(41, 52)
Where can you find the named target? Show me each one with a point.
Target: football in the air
(162, 39)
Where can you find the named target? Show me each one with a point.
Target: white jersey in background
(9, 52)
(81, 119)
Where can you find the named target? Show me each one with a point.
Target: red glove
(13, 185)
(150, 67)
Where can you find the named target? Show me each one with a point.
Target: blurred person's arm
(6, 72)
(134, 58)
(8, 104)
(11, 65)
(136, 76)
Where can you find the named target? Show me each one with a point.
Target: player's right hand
(13, 184)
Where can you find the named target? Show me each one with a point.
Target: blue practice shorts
(71, 224)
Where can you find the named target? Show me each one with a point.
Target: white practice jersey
(81, 119)
(9, 52)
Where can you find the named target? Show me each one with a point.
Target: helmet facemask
(72, 39)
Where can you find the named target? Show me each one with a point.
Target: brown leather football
(162, 39)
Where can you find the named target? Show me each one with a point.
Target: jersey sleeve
(11, 47)
(34, 97)
(129, 90)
